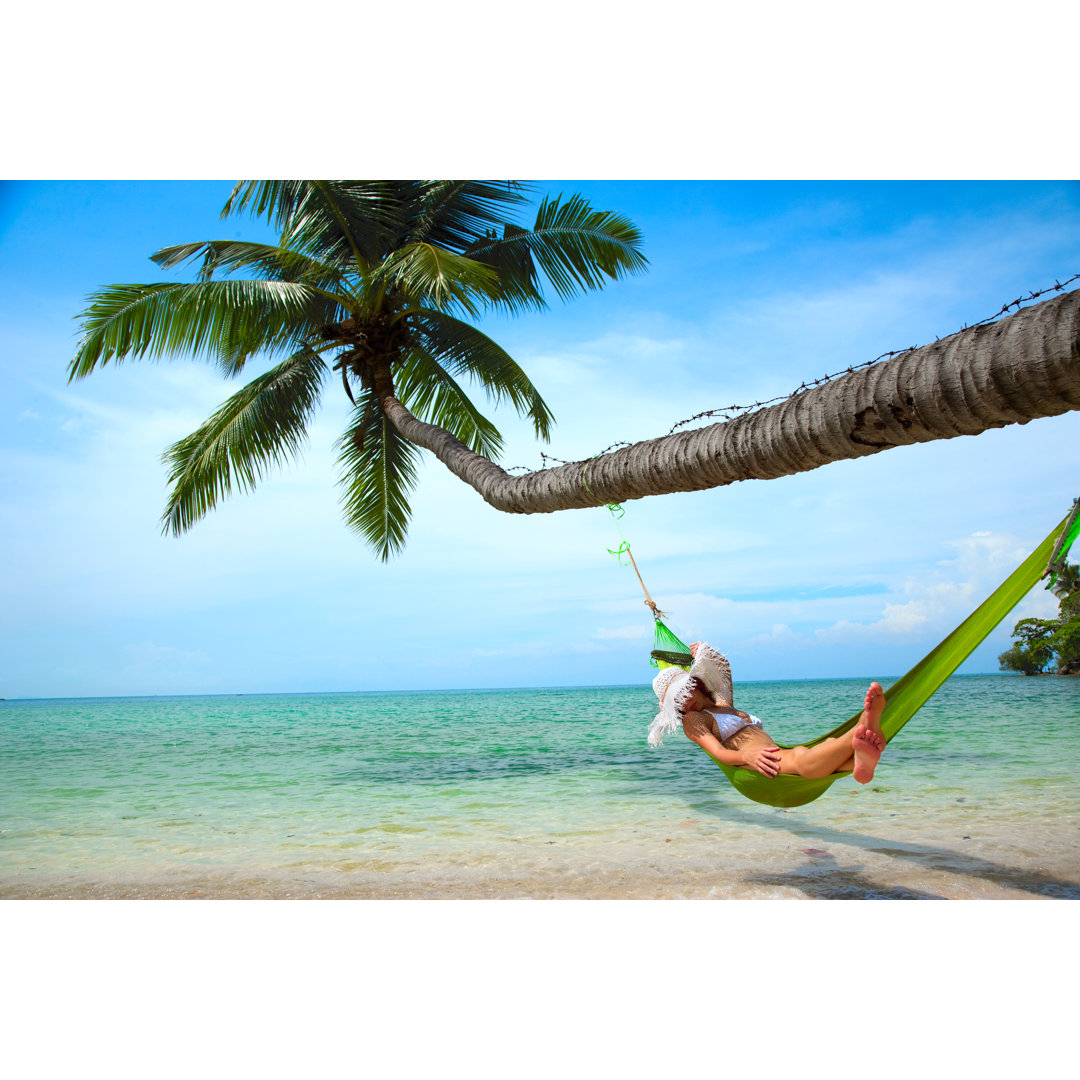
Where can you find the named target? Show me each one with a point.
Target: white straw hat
(660, 683)
(669, 718)
(672, 687)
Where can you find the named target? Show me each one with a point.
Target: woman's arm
(762, 759)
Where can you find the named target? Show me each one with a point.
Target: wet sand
(799, 864)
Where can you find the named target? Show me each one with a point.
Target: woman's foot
(868, 740)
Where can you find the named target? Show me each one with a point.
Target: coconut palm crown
(372, 280)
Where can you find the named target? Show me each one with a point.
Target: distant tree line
(1052, 645)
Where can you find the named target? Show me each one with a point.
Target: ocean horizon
(885, 679)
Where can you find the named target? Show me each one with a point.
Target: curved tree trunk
(1011, 371)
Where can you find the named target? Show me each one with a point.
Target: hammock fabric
(909, 693)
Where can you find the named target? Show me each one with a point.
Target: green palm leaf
(273, 199)
(333, 220)
(441, 278)
(378, 472)
(511, 258)
(462, 349)
(267, 261)
(452, 213)
(261, 426)
(428, 391)
(576, 248)
(227, 321)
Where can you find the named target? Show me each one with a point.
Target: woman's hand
(694, 648)
(762, 759)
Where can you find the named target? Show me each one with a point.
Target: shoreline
(23, 699)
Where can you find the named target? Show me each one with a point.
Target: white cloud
(939, 602)
(780, 635)
(902, 618)
(1038, 604)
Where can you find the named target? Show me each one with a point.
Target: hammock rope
(667, 648)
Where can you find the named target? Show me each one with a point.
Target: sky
(856, 569)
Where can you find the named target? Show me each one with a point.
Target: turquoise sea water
(529, 793)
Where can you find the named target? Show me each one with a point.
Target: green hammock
(909, 693)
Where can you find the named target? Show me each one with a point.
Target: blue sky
(856, 569)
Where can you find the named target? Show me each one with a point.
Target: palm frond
(273, 199)
(575, 247)
(463, 350)
(267, 261)
(261, 426)
(428, 391)
(440, 278)
(227, 321)
(336, 221)
(453, 213)
(511, 258)
(378, 472)
(330, 219)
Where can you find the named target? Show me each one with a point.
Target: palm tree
(372, 280)
(376, 270)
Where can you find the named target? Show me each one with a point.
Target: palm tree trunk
(1011, 371)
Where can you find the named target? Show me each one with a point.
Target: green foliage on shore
(1049, 645)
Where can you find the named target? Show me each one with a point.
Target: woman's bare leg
(832, 755)
(829, 756)
(857, 752)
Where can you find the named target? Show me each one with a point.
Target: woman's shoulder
(696, 724)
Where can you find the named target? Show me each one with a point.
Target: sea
(541, 793)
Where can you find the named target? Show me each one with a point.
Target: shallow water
(529, 793)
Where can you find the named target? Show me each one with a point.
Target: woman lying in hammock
(701, 703)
